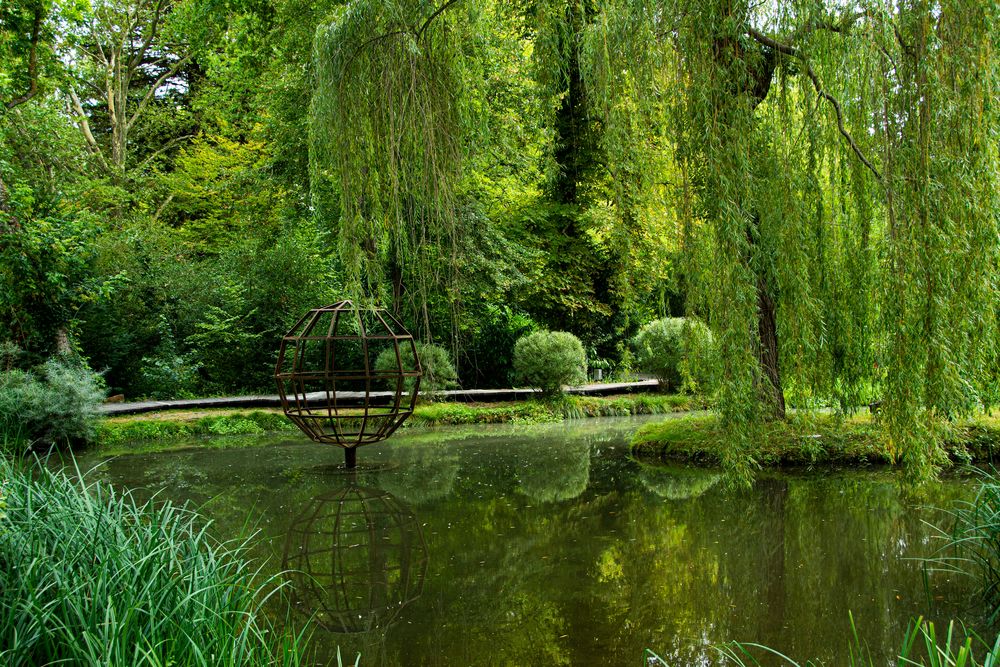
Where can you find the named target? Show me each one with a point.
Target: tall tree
(872, 125)
(130, 54)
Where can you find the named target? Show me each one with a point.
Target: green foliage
(97, 578)
(487, 357)
(548, 360)
(973, 544)
(121, 435)
(46, 275)
(166, 374)
(56, 403)
(438, 370)
(674, 349)
(921, 645)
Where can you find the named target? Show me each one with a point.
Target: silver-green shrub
(547, 360)
(435, 361)
(55, 403)
(675, 350)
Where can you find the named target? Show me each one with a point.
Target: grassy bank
(803, 440)
(163, 430)
(88, 576)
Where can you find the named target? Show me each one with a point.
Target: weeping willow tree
(386, 144)
(832, 168)
(838, 179)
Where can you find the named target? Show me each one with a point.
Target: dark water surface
(547, 545)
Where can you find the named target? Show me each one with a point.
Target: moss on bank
(804, 440)
(163, 430)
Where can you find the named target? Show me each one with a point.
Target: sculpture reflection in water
(356, 557)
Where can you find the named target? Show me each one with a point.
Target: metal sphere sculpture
(348, 375)
(355, 558)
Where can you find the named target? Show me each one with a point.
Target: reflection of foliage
(677, 482)
(180, 471)
(555, 471)
(425, 472)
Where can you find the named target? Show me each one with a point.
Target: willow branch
(36, 31)
(820, 90)
(437, 12)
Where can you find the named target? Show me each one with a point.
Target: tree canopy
(816, 181)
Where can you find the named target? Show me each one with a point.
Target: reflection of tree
(677, 482)
(356, 557)
(554, 471)
(424, 472)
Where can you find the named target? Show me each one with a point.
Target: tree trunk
(771, 393)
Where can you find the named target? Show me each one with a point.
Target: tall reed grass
(89, 576)
(922, 646)
(973, 545)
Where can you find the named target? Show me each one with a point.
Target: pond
(548, 545)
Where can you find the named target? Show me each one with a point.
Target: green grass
(130, 434)
(922, 645)
(89, 576)
(800, 440)
(165, 430)
(972, 545)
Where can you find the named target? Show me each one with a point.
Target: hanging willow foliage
(838, 169)
(833, 168)
(387, 125)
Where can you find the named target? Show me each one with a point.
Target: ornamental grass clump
(547, 360)
(972, 547)
(89, 576)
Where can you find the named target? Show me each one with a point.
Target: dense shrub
(550, 359)
(674, 349)
(435, 361)
(90, 577)
(55, 403)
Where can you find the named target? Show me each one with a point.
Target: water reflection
(356, 557)
(674, 482)
(551, 546)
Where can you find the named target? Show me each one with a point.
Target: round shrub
(439, 371)
(548, 360)
(674, 349)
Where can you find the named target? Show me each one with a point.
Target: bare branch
(84, 125)
(150, 35)
(163, 149)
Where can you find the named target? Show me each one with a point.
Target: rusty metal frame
(309, 390)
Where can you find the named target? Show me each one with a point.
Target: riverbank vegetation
(89, 576)
(808, 439)
(154, 431)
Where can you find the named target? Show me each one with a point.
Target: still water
(548, 545)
